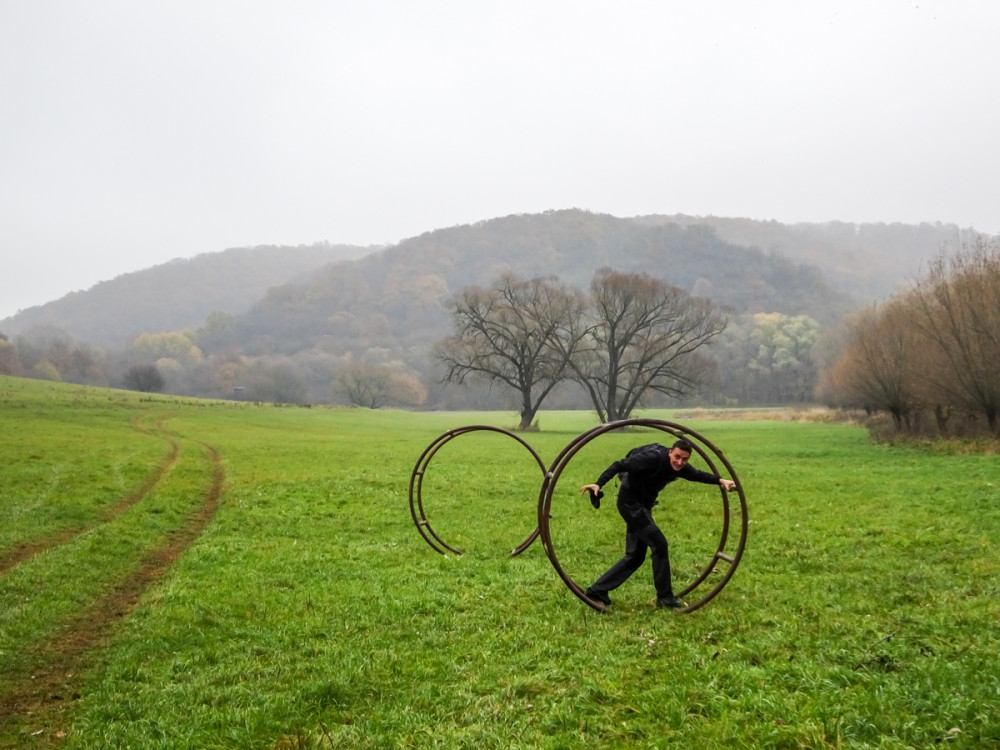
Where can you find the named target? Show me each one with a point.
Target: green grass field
(191, 574)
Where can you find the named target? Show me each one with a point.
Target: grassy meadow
(193, 574)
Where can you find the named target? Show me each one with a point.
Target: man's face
(678, 458)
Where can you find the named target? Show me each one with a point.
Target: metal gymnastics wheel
(732, 559)
(417, 480)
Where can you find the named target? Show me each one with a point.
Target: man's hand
(595, 494)
(727, 484)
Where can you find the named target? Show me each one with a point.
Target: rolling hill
(176, 295)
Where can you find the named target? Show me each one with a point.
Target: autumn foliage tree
(767, 358)
(9, 362)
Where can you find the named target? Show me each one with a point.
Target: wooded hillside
(279, 323)
(397, 298)
(869, 261)
(176, 295)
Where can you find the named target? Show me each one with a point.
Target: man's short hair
(684, 445)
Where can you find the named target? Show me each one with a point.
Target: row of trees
(631, 336)
(52, 355)
(630, 339)
(926, 357)
(934, 349)
(767, 359)
(173, 362)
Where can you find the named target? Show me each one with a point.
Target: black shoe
(601, 596)
(670, 602)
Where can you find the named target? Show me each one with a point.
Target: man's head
(679, 454)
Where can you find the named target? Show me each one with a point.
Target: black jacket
(647, 470)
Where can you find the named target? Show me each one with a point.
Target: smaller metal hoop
(677, 430)
(416, 488)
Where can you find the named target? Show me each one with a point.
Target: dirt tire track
(25, 551)
(47, 693)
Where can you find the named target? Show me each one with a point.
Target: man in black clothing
(643, 473)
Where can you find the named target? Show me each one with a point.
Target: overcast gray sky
(137, 131)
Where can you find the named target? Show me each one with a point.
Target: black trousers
(641, 533)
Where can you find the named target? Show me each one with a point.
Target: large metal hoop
(416, 489)
(732, 559)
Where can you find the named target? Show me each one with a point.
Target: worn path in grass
(46, 691)
(26, 550)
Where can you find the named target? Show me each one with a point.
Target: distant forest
(179, 294)
(299, 324)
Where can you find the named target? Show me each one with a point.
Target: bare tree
(878, 370)
(277, 379)
(958, 308)
(645, 337)
(373, 386)
(521, 334)
(145, 378)
(366, 386)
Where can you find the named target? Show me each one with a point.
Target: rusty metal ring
(697, 441)
(416, 488)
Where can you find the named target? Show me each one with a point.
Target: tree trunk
(941, 416)
(527, 416)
